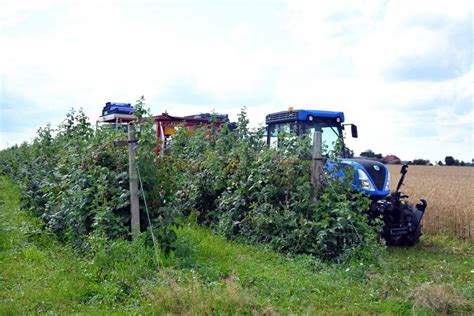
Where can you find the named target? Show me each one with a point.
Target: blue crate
(117, 108)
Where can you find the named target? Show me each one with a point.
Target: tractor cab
(372, 177)
(306, 122)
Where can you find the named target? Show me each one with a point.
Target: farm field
(208, 274)
(449, 191)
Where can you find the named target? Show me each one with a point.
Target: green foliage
(233, 182)
(159, 178)
(76, 180)
(73, 178)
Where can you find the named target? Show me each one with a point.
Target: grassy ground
(208, 274)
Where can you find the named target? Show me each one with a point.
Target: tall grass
(449, 191)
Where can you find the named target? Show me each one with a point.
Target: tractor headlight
(387, 186)
(364, 181)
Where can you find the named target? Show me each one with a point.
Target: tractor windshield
(330, 135)
(330, 132)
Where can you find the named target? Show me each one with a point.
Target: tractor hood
(375, 172)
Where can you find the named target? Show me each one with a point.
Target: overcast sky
(401, 70)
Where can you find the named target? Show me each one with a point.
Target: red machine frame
(166, 125)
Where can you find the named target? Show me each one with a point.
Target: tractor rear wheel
(393, 240)
(409, 239)
(412, 238)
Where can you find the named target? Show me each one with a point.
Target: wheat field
(449, 192)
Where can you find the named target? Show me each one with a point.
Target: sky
(402, 71)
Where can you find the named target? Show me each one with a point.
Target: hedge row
(77, 182)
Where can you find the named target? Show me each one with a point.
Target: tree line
(392, 159)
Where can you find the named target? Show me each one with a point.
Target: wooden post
(132, 174)
(162, 140)
(316, 165)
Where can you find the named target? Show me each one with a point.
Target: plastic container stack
(117, 108)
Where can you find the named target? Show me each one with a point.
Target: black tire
(409, 239)
(392, 241)
(412, 238)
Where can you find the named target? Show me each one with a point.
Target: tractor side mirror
(354, 131)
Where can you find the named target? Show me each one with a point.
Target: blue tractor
(402, 221)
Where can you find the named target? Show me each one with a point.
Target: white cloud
(344, 55)
(8, 139)
(372, 42)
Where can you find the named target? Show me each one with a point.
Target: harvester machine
(120, 114)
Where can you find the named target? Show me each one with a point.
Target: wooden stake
(132, 174)
(316, 166)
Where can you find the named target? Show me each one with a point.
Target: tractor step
(399, 231)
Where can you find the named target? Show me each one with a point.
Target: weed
(440, 299)
(184, 293)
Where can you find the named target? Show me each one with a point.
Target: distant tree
(421, 162)
(462, 163)
(368, 153)
(449, 161)
(440, 163)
